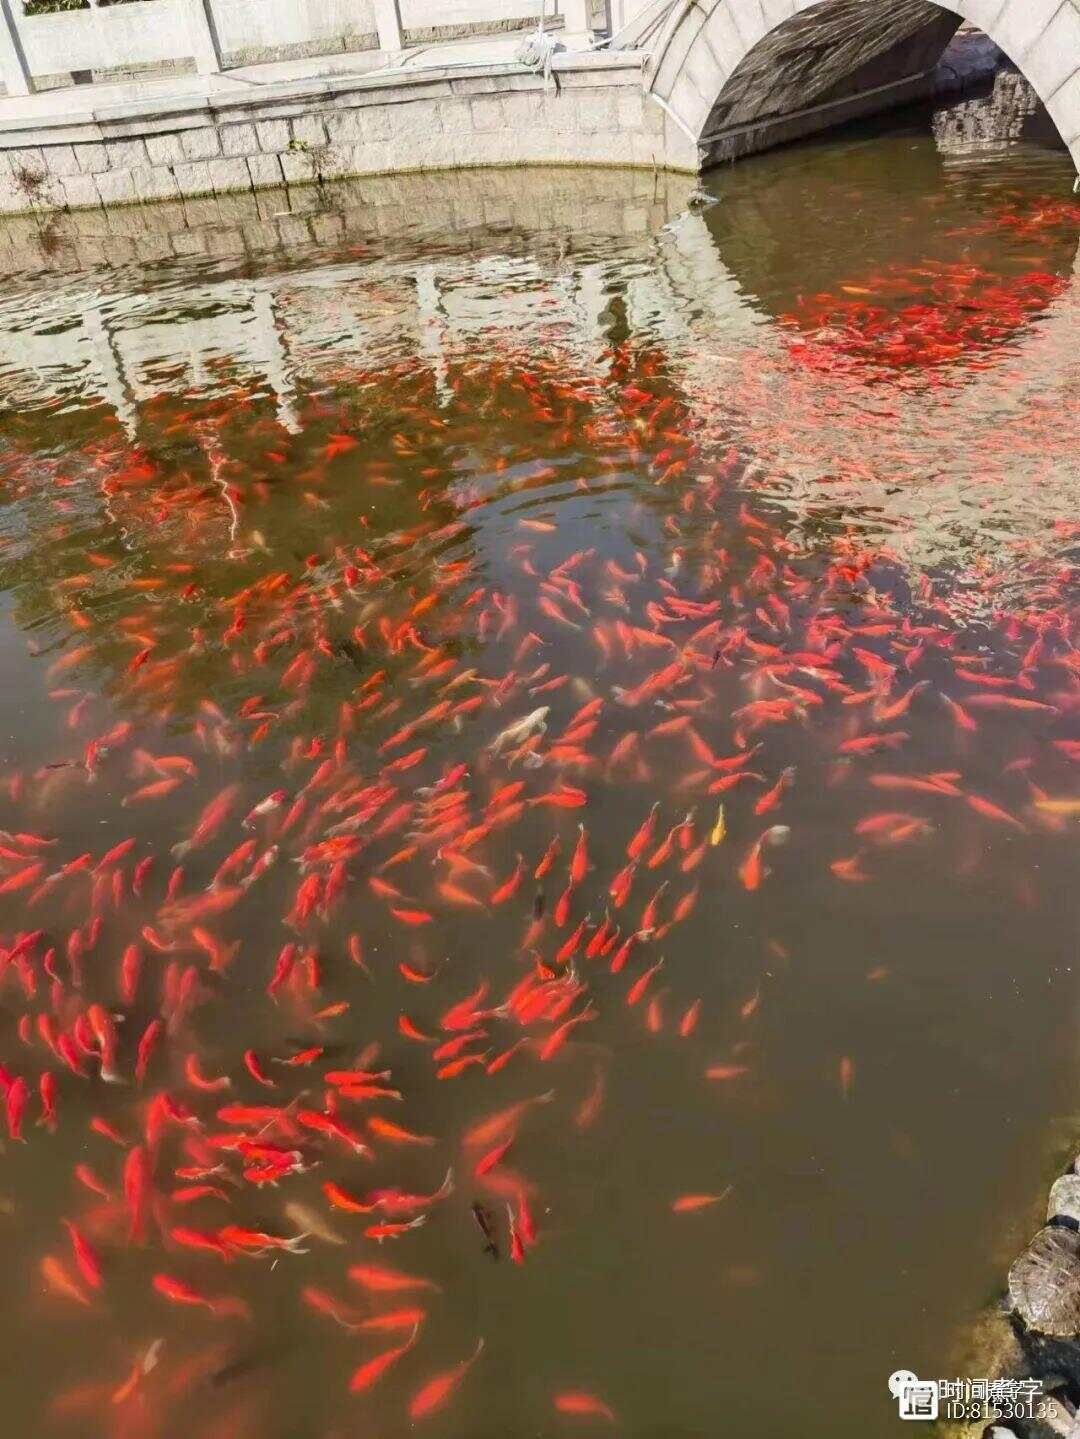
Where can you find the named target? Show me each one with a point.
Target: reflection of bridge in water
(707, 291)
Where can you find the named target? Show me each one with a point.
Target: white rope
(535, 52)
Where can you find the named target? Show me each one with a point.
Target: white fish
(310, 1222)
(521, 730)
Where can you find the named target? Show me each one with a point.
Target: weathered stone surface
(688, 103)
(193, 177)
(1056, 54)
(239, 140)
(630, 112)
(116, 187)
(264, 170)
(596, 112)
(297, 167)
(1064, 1201)
(91, 158)
(154, 182)
(61, 160)
(984, 13)
(164, 149)
(149, 248)
(309, 130)
(229, 174)
(749, 20)
(125, 154)
(1044, 1282)
(30, 159)
(273, 136)
(777, 11)
(80, 191)
(375, 123)
(487, 113)
(201, 144)
(343, 128)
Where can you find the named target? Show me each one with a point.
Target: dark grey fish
(486, 1223)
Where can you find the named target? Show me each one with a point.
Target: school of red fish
(367, 753)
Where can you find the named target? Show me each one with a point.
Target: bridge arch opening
(741, 75)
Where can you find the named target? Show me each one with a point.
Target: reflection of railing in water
(201, 328)
(265, 329)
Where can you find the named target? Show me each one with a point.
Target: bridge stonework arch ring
(737, 75)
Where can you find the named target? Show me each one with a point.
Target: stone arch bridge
(678, 85)
(738, 75)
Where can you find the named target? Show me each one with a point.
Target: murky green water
(768, 503)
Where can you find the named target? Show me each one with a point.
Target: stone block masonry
(593, 111)
(741, 75)
(718, 79)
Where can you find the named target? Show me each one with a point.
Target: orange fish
(370, 1372)
(583, 1406)
(437, 1392)
(691, 1203)
(385, 1129)
(579, 864)
(60, 1282)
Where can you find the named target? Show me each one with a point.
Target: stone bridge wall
(713, 79)
(739, 75)
(595, 112)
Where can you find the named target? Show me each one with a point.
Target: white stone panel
(1021, 23)
(1056, 54)
(984, 13)
(244, 24)
(678, 47)
(726, 43)
(689, 104)
(705, 70)
(116, 187)
(164, 149)
(424, 14)
(143, 33)
(749, 20)
(201, 144)
(60, 160)
(1064, 108)
(777, 11)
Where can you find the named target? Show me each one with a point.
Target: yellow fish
(1058, 806)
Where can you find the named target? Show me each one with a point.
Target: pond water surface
(588, 677)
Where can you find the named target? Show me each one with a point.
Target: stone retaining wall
(618, 108)
(592, 112)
